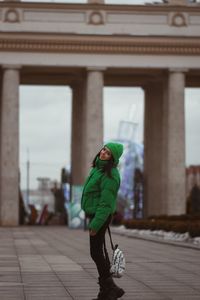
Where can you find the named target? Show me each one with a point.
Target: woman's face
(105, 154)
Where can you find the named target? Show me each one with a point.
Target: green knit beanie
(116, 150)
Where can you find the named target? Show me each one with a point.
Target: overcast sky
(45, 125)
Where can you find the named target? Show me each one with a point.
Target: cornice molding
(99, 44)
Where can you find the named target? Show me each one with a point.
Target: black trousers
(97, 251)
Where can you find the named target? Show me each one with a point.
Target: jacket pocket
(90, 203)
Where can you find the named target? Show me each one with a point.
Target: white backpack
(118, 263)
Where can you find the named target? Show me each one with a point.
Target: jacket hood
(116, 150)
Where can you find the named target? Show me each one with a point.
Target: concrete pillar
(9, 176)
(173, 156)
(153, 204)
(93, 117)
(0, 108)
(78, 135)
(0, 126)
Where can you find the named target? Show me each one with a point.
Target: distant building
(41, 196)
(192, 178)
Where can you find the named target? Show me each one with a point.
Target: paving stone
(14, 297)
(11, 291)
(31, 297)
(44, 291)
(185, 297)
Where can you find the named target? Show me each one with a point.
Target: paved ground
(40, 263)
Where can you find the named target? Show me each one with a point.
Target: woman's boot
(109, 290)
(113, 292)
(103, 290)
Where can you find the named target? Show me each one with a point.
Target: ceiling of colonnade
(112, 76)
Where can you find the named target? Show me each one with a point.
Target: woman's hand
(92, 232)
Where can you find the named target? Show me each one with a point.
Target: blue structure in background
(76, 215)
(130, 195)
(131, 161)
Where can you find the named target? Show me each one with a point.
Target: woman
(99, 203)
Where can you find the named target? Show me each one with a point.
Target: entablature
(100, 19)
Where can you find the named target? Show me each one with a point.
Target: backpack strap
(112, 246)
(104, 246)
(111, 242)
(106, 252)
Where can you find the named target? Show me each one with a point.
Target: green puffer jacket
(100, 191)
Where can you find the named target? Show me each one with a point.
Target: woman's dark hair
(107, 167)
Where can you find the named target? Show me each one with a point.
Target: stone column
(0, 128)
(93, 117)
(9, 176)
(173, 173)
(78, 135)
(0, 112)
(152, 149)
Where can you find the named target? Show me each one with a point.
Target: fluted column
(93, 117)
(173, 173)
(9, 176)
(153, 204)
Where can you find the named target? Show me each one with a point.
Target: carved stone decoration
(102, 44)
(96, 18)
(178, 19)
(12, 16)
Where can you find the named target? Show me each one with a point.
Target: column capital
(96, 69)
(11, 67)
(11, 0)
(178, 70)
(178, 2)
(96, 1)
